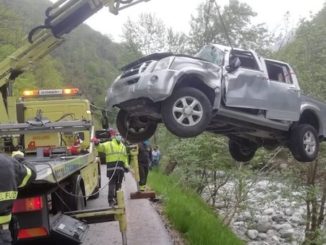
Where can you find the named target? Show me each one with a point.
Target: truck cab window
(212, 54)
(278, 72)
(247, 60)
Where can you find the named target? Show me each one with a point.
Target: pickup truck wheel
(187, 112)
(242, 152)
(135, 128)
(304, 143)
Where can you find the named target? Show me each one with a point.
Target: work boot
(112, 202)
(142, 188)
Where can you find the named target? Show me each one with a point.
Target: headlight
(163, 63)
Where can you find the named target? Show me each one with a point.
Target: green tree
(149, 35)
(207, 27)
(307, 54)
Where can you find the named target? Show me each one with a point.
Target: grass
(190, 215)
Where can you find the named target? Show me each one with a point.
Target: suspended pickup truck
(253, 101)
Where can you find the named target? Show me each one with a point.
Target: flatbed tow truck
(67, 172)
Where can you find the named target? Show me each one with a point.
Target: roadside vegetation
(189, 214)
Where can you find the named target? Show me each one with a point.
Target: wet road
(144, 225)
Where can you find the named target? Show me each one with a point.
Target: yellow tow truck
(54, 128)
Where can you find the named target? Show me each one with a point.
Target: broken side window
(212, 54)
(247, 59)
(278, 72)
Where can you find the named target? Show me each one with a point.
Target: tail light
(32, 233)
(28, 205)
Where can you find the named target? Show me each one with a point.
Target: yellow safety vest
(114, 152)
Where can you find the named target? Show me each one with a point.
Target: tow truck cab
(54, 130)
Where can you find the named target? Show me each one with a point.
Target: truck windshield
(212, 54)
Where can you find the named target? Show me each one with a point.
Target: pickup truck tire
(187, 112)
(242, 152)
(133, 128)
(304, 143)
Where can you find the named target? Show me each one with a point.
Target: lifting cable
(222, 22)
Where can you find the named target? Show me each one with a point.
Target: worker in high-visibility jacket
(117, 163)
(15, 173)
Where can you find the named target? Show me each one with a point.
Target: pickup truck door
(247, 86)
(263, 85)
(284, 93)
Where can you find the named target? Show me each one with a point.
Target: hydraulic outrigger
(60, 19)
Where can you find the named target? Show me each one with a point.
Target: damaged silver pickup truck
(255, 102)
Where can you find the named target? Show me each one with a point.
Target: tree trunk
(170, 167)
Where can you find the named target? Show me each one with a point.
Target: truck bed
(55, 169)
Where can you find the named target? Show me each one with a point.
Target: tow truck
(54, 133)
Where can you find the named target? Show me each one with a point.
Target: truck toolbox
(69, 230)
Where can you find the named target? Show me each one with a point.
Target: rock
(268, 211)
(261, 186)
(287, 233)
(239, 223)
(289, 211)
(278, 218)
(258, 243)
(263, 226)
(262, 236)
(262, 218)
(275, 227)
(274, 240)
(271, 233)
(252, 234)
(283, 166)
(285, 226)
(245, 216)
(297, 219)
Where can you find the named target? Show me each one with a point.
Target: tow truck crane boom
(61, 18)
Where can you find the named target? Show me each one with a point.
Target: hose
(34, 30)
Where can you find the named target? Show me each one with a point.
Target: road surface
(144, 225)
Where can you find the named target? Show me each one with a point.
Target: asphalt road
(144, 225)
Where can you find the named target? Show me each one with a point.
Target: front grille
(139, 68)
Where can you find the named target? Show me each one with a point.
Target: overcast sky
(176, 13)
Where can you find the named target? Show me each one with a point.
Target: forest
(255, 195)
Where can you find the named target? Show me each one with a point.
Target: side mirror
(234, 64)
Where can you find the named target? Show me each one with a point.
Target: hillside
(87, 59)
(307, 54)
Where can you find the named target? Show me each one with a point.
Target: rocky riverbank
(272, 214)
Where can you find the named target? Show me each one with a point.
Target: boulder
(252, 234)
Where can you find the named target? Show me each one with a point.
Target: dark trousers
(143, 172)
(5, 237)
(115, 182)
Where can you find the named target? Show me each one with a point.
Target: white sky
(176, 13)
